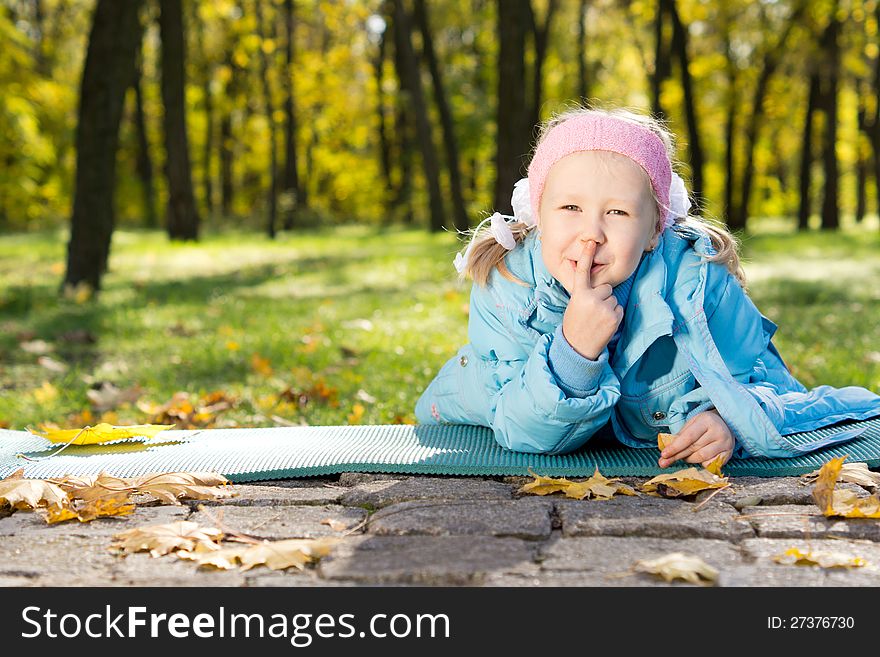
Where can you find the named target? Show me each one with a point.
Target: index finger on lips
(585, 263)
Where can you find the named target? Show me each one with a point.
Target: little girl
(603, 301)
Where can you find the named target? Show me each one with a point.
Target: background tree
(182, 218)
(108, 72)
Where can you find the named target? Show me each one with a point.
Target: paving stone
(300, 482)
(63, 560)
(651, 517)
(436, 560)
(356, 478)
(283, 521)
(528, 518)
(769, 491)
(797, 521)
(610, 560)
(763, 571)
(32, 523)
(384, 493)
(265, 495)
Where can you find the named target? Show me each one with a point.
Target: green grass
(371, 315)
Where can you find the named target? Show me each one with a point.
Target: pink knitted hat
(595, 131)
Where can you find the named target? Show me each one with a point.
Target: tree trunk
(541, 34)
(384, 141)
(695, 148)
(731, 97)
(182, 218)
(430, 165)
(771, 62)
(662, 63)
(875, 125)
(450, 143)
(272, 198)
(107, 73)
(806, 173)
(144, 161)
(290, 183)
(830, 63)
(208, 148)
(583, 82)
(227, 143)
(862, 162)
(513, 130)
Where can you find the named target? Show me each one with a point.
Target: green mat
(281, 452)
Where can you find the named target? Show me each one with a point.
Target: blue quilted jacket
(691, 340)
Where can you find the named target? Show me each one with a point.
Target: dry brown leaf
(855, 473)
(841, 503)
(596, 487)
(165, 538)
(664, 440)
(169, 488)
(174, 486)
(683, 483)
(277, 555)
(798, 557)
(679, 566)
(28, 494)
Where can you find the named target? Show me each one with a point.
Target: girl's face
(600, 196)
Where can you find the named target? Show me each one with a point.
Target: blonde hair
(487, 254)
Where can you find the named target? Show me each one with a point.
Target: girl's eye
(623, 213)
(571, 208)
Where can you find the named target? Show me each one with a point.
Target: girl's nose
(591, 229)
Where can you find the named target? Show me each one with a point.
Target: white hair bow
(679, 203)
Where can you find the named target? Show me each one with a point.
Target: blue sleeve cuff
(576, 375)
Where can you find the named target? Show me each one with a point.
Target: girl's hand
(593, 314)
(703, 437)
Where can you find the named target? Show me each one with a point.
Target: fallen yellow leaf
(101, 433)
(685, 482)
(169, 488)
(118, 505)
(855, 473)
(678, 565)
(798, 557)
(841, 503)
(276, 555)
(715, 466)
(165, 538)
(27, 494)
(664, 440)
(596, 487)
(357, 412)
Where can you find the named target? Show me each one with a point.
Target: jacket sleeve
(540, 398)
(742, 337)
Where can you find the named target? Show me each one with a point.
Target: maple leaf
(118, 505)
(596, 487)
(715, 466)
(277, 555)
(101, 433)
(683, 483)
(167, 487)
(798, 557)
(27, 494)
(855, 473)
(164, 538)
(678, 565)
(664, 440)
(841, 503)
